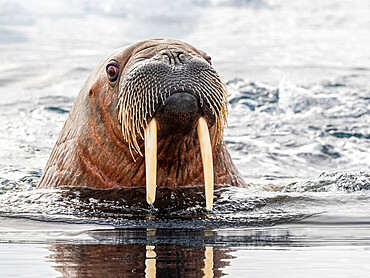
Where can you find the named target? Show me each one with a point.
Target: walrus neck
(179, 161)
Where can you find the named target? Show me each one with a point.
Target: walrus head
(158, 104)
(176, 86)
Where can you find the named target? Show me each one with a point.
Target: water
(297, 72)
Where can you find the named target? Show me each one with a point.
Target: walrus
(149, 115)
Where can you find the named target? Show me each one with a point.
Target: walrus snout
(179, 114)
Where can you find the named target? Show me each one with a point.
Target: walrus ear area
(97, 87)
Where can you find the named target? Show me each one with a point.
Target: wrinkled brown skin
(92, 152)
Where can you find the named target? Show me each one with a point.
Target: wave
(329, 182)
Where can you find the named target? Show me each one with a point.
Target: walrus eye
(208, 59)
(112, 71)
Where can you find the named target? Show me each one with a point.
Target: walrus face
(173, 89)
(176, 87)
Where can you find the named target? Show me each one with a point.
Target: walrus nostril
(174, 57)
(181, 57)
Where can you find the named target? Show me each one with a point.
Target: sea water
(298, 131)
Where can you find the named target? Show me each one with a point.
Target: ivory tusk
(206, 151)
(151, 160)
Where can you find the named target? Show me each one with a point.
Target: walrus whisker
(214, 104)
(218, 95)
(201, 100)
(209, 103)
(162, 99)
(152, 91)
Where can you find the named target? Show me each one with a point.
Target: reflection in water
(208, 262)
(130, 258)
(150, 270)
